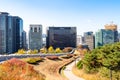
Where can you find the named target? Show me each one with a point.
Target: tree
(50, 49)
(35, 51)
(58, 50)
(21, 51)
(43, 50)
(104, 57)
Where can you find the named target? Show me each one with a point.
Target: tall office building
(79, 39)
(104, 36)
(10, 30)
(119, 37)
(113, 27)
(24, 40)
(44, 40)
(35, 37)
(3, 30)
(61, 37)
(17, 33)
(89, 40)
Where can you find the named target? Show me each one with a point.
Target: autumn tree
(35, 51)
(50, 49)
(21, 51)
(43, 50)
(58, 50)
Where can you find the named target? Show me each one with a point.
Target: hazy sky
(86, 15)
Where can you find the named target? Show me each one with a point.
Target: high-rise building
(113, 27)
(89, 40)
(24, 40)
(44, 40)
(35, 37)
(104, 36)
(79, 39)
(10, 33)
(61, 37)
(3, 30)
(119, 37)
(17, 33)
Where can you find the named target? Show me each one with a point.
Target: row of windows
(35, 29)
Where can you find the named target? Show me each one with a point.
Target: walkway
(68, 72)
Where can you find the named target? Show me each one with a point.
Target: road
(68, 72)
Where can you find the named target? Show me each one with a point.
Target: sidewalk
(68, 72)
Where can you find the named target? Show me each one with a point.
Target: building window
(35, 29)
(31, 29)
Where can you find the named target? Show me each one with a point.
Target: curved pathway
(68, 72)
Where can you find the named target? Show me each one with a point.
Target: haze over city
(86, 15)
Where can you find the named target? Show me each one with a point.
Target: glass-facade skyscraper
(3, 30)
(17, 33)
(104, 36)
(11, 28)
(61, 37)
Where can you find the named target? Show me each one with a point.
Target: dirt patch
(50, 68)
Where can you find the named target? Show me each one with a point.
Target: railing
(6, 57)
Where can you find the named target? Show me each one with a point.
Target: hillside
(104, 61)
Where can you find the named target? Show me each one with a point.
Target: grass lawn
(82, 74)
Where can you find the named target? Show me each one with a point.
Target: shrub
(15, 69)
(21, 51)
(63, 68)
(33, 60)
(58, 50)
(52, 57)
(80, 64)
(50, 49)
(67, 49)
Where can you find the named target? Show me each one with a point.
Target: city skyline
(86, 15)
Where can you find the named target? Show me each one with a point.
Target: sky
(86, 15)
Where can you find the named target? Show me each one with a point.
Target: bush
(80, 64)
(33, 60)
(52, 57)
(63, 68)
(15, 69)
(67, 49)
(58, 50)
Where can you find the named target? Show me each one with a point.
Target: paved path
(68, 72)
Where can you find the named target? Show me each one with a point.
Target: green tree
(106, 57)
